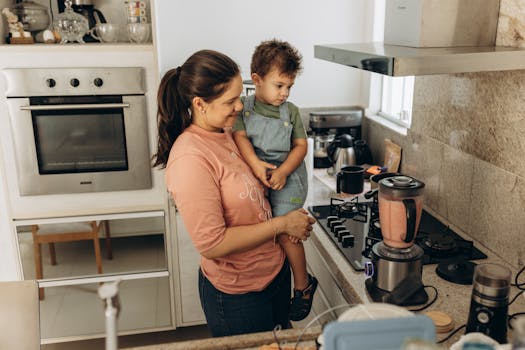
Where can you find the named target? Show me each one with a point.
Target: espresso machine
(396, 265)
(326, 125)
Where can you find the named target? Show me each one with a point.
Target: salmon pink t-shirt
(214, 189)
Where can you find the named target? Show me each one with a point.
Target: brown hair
(276, 53)
(205, 74)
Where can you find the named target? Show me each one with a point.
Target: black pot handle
(410, 206)
(338, 181)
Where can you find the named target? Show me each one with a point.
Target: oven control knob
(74, 82)
(98, 82)
(51, 82)
(348, 241)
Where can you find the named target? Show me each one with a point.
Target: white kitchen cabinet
(329, 293)
(189, 261)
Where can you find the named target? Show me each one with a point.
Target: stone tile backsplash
(467, 143)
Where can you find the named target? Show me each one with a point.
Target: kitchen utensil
(70, 25)
(490, 301)
(105, 32)
(350, 179)
(392, 156)
(33, 16)
(138, 32)
(341, 152)
(400, 207)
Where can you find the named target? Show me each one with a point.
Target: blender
(396, 262)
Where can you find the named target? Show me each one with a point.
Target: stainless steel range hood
(397, 60)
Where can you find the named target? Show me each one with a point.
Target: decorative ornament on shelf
(17, 34)
(70, 25)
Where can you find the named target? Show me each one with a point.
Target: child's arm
(259, 168)
(295, 158)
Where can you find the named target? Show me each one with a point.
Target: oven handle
(78, 106)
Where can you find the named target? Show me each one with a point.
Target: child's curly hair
(278, 54)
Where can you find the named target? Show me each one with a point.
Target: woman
(244, 278)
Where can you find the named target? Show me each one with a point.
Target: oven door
(80, 144)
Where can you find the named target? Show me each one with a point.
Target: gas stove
(354, 227)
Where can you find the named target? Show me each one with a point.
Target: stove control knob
(51, 82)
(348, 241)
(74, 82)
(338, 229)
(98, 82)
(342, 234)
(335, 223)
(331, 218)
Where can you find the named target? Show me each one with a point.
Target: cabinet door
(330, 293)
(189, 262)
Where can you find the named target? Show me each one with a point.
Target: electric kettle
(341, 152)
(400, 207)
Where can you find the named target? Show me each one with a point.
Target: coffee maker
(87, 9)
(326, 125)
(396, 265)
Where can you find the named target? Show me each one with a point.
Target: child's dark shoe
(301, 303)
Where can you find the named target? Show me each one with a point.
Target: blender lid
(401, 186)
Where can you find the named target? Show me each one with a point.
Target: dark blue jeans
(231, 314)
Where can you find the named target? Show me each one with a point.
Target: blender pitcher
(400, 208)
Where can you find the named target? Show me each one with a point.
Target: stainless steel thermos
(490, 301)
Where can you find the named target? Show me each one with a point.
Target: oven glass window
(77, 141)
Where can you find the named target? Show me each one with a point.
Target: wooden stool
(67, 232)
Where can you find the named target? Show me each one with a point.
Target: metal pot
(33, 16)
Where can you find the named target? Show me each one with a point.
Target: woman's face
(221, 112)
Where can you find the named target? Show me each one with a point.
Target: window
(396, 99)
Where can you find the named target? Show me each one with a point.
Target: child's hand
(277, 179)
(261, 171)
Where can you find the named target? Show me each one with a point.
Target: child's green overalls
(272, 141)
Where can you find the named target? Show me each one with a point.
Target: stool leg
(52, 253)
(38, 266)
(96, 244)
(109, 248)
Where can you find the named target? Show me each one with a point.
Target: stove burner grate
(352, 209)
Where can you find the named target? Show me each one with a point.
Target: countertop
(453, 299)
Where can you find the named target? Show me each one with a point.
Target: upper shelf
(396, 60)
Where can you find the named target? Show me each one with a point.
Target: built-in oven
(78, 130)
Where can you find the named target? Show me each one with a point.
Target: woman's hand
(298, 223)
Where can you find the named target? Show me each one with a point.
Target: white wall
(235, 27)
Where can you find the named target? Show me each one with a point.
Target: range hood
(395, 60)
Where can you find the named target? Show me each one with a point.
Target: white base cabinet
(189, 261)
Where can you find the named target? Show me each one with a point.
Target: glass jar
(70, 25)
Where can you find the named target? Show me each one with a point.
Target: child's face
(273, 88)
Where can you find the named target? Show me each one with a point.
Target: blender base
(381, 296)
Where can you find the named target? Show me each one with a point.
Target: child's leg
(297, 259)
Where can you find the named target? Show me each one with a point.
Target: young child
(271, 137)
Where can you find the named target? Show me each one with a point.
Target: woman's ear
(198, 104)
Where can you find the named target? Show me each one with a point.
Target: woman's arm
(296, 223)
